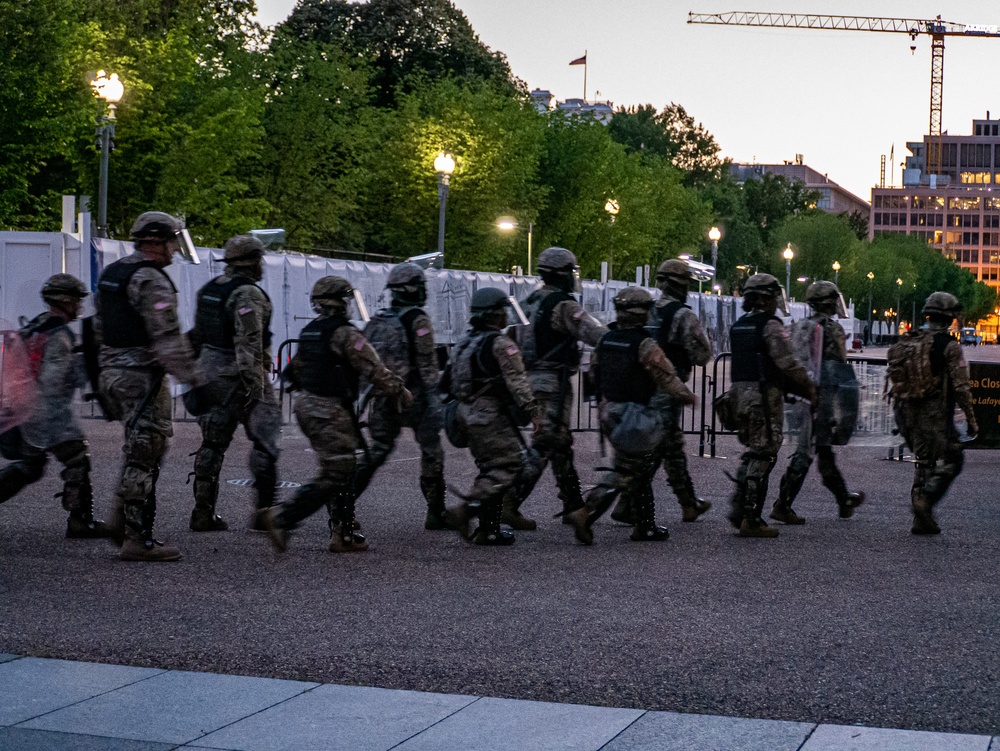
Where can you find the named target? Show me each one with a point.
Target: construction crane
(913, 27)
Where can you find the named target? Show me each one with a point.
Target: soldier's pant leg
(758, 470)
(22, 472)
(78, 493)
(942, 474)
(672, 455)
(794, 477)
(384, 425)
(217, 428)
(263, 428)
(833, 480)
(497, 453)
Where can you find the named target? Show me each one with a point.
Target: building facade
(955, 209)
(833, 199)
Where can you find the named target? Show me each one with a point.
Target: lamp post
(111, 90)
(612, 207)
(444, 165)
(714, 234)
(788, 255)
(507, 225)
(871, 277)
(836, 272)
(899, 296)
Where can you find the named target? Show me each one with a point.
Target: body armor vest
(549, 345)
(622, 376)
(390, 332)
(320, 371)
(122, 326)
(217, 329)
(36, 335)
(476, 368)
(751, 361)
(674, 351)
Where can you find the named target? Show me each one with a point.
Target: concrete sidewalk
(82, 706)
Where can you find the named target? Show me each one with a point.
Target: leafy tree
(858, 222)
(773, 198)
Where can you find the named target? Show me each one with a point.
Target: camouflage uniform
(133, 359)
(810, 443)
(232, 331)
(638, 372)
(52, 427)
(487, 375)
(551, 355)
(762, 363)
(404, 338)
(332, 355)
(927, 424)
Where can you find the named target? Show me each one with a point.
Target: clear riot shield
(837, 414)
(18, 389)
(807, 346)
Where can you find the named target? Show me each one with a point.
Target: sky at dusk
(839, 98)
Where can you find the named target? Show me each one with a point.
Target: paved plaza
(834, 634)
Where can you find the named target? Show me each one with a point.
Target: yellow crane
(913, 27)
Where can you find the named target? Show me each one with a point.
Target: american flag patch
(511, 351)
(359, 345)
(244, 311)
(161, 305)
(580, 313)
(423, 332)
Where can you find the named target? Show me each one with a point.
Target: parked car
(969, 336)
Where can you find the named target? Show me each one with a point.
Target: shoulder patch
(580, 314)
(360, 343)
(423, 332)
(512, 350)
(244, 311)
(162, 305)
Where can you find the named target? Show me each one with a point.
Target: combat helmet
(63, 287)
(764, 285)
(673, 273)
(825, 297)
(486, 301)
(156, 225)
(558, 268)
(331, 292)
(632, 305)
(242, 249)
(407, 284)
(943, 304)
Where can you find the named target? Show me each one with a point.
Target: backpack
(389, 333)
(909, 366)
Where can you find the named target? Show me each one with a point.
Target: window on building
(963, 203)
(970, 238)
(979, 130)
(991, 221)
(976, 178)
(991, 239)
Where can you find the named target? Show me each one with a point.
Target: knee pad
(146, 448)
(76, 469)
(208, 460)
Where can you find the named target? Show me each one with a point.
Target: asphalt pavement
(840, 622)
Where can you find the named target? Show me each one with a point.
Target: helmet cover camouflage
(243, 249)
(63, 287)
(156, 225)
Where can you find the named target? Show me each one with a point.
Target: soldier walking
(232, 334)
(403, 336)
(679, 333)
(815, 438)
(331, 357)
(52, 427)
(551, 354)
(487, 376)
(929, 378)
(141, 340)
(763, 370)
(630, 370)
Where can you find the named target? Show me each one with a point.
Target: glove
(198, 401)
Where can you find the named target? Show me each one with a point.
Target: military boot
(923, 517)
(345, 535)
(140, 545)
(512, 517)
(785, 514)
(597, 502)
(434, 493)
(489, 532)
(848, 502)
(570, 493)
(691, 505)
(753, 503)
(270, 520)
(646, 529)
(266, 487)
(203, 517)
(78, 499)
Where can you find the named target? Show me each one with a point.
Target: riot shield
(807, 346)
(18, 389)
(837, 413)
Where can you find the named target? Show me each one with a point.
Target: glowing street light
(612, 207)
(506, 224)
(111, 90)
(788, 255)
(714, 235)
(871, 278)
(444, 165)
(836, 272)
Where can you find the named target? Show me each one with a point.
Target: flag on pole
(579, 60)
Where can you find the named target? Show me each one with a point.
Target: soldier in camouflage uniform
(141, 340)
(52, 427)
(331, 357)
(927, 423)
(404, 339)
(629, 367)
(824, 298)
(233, 337)
(552, 356)
(763, 370)
(487, 375)
(679, 333)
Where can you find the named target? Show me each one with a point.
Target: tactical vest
(218, 329)
(622, 376)
(548, 345)
(674, 351)
(751, 361)
(390, 332)
(319, 370)
(122, 326)
(36, 335)
(475, 371)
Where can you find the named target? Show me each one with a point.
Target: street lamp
(899, 295)
(714, 234)
(788, 255)
(507, 224)
(612, 207)
(871, 277)
(444, 165)
(836, 272)
(111, 90)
